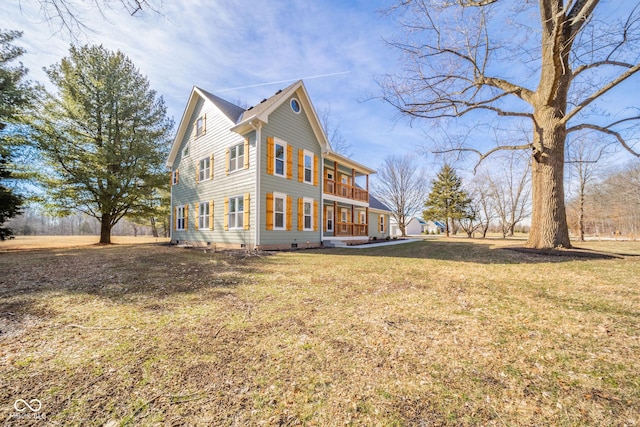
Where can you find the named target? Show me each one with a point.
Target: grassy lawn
(433, 333)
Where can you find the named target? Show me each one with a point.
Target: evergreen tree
(16, 95)
(104, 135)
(447, 200)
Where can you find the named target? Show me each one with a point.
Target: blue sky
(224, 46)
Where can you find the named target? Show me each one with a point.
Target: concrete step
(334, 244)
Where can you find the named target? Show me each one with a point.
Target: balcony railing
(345, 190)
(351, 229)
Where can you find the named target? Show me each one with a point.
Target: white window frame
(276, 159)
(174, 177)
(185, 150)
(204, 174)
(362, 217)
(180, 219)
(203, 215)
(309, 155)
(330, 218)
(201, 126)
(283, 197)
(381, 224)
(238, 214)
(307, 202)
(236, 162)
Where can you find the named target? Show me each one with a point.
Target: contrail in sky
(284, 81)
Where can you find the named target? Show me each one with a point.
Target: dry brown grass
(20, 243)
(430, 333)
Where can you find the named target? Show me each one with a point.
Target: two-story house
(266, 177)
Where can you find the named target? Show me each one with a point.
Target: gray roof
(377, 204)
(257, 109)
(229, 109)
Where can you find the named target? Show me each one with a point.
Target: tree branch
(631, 71)
(608, 132)
(488, 153)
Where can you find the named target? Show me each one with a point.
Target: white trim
(291, 101)
(344, 200)
(237, 168)
(311, 155)
(236, 213)
(284, 211)
(310, 201)
(208, 175)
(207, 216)
(284, 144)
(184, 219)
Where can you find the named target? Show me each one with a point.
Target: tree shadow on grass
(478, 251)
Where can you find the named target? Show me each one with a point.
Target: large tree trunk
(105, 230)
(548, 220)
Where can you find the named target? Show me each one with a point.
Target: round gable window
(295, 106)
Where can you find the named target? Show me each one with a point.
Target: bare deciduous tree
(583, 157)
(338, 142)
(67, 14)
(483, 203)
(402, 186)
(470, 56)
(510, 192)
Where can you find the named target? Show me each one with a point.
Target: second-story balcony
(345, 190)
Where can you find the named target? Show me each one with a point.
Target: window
(308, 168)
(279, 211)
(236, 157)
(236, 211)
(382, 224)
(280, 158)
(203, 216)
(308, 219)
(329, 218)
(185, 150)
(362, 217)
(180, 218)
(295, 106)
(174, 177)
(204, 169)
(200, 126)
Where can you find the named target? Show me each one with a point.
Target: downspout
(258, 129)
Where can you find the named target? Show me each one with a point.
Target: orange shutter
(315, 215)
(289, 212)
(171, 178)
(197, 212)
(211, 215)
(186, 217)
(289, 162)
(197, 172)
(270, 157)
(226, 213)
(246, 153)
(300, 165)
(228, 158)
(300, 214)
(269, 211)
(247, 211)
(175, 218)
(315, 170)
(211, 166)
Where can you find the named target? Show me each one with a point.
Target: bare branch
(604, 89)
(608, 131)
(483, 156)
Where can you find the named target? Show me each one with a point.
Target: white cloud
(228, 43)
